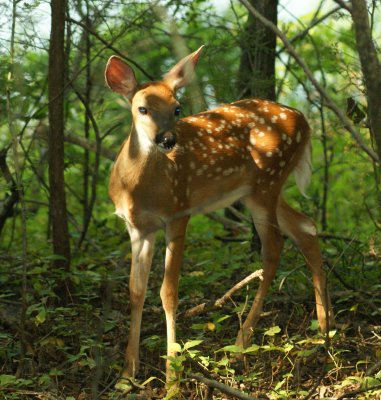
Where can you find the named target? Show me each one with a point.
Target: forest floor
(75, 351)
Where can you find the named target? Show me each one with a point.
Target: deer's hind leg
(265, 220)
(302, 231)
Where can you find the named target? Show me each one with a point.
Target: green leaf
(198, 326)
(332, 333)
(314, 326)
(306, 353)
(233, 349)
(369, 382)
(174, 347)
(354, 307)
(273, 348)
(192, 343)
(223, 318)
(288, 347)
(7, 380)
(38, 270)
(124, 386)
(279, 385)
(252, 349)
(56, 372)
(40, 317)
(205, 360)
(272, 331)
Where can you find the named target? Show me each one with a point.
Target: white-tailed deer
(170, 168)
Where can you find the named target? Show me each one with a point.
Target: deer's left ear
(180, 75)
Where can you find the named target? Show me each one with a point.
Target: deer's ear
(120, 77)
(180, 75)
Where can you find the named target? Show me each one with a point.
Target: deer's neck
(135, 173)
(138, 165)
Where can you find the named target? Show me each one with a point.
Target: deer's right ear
(120, 77)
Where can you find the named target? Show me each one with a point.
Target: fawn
(170, 168)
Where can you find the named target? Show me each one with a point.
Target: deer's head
(155, 109)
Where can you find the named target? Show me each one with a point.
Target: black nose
(166, 140)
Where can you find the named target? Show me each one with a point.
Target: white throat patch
(146, 145)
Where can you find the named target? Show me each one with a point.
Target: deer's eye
(177, 111)
(142, 110)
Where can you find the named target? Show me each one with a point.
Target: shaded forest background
(64, 256)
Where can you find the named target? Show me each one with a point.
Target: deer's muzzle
(166, 140)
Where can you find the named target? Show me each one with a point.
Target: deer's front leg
(142, 252)
(175, 237)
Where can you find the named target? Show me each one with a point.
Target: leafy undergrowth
(76, 351)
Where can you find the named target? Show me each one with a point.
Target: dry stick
(330, 103)
(221, 301)
(221, 387)
(256, 274)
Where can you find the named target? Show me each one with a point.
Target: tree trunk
(57, 199)
(256, 75)
(370, 67)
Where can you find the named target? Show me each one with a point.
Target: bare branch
(109, 45)
(221, 387)
(305, 31)
(344, 4)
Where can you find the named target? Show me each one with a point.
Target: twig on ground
(221, 387)
(256, 274)
(221, 301)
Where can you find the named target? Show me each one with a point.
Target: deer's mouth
(166, 141)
